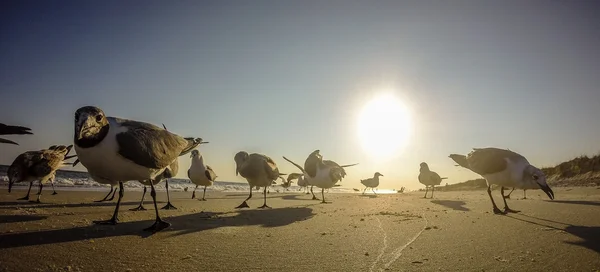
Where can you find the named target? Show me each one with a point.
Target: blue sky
(289, 77)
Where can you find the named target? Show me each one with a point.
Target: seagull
(504, 168)
(259, 170)
(122, 150)
(371, 182)
(200, 174)
(429, 178)
(321, 173)
(37, 165)
(12, 130)
(301, 180)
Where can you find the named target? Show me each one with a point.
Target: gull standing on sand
(371, 182)
(301, 180)
(504, 168)
(12, 130)
(122, 150)
(37, 165)
(320, 173)
(200, 174)
(259, 170)
(429, 178)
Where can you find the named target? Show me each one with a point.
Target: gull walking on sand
(429, 178)
(12, 130)
(320, 173)
(371, 182)
(37, 165)
(200, 174)
(301, 181)
(504, 168)
(122, 150)
(259, 170)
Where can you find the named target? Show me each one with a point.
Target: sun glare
(384, 126)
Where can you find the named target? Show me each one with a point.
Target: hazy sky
(289, 77)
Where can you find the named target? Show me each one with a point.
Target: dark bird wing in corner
(12, 130)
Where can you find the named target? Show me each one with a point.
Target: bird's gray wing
(490, 160)
(11, 130)
(210, 174)
(150, 146)
(310, 165)
(337, 172)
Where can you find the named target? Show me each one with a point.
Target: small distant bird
(101, 180)
(504, 168)
(12, 130)
(259, 170)
(122, 150)
(37, 165)
(429, 178)
(371, 182)
(300, 177)
(200, 174)
(170, 172)
(356, 190)
(321, 173)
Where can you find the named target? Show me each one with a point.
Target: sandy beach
(454, 231)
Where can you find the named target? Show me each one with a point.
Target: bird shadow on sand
(452, 204)
(297, 197)
(20, 218)
(578, 202)
(180, 225)
(589, 235)
(13, 205)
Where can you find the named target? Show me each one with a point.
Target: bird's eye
(98, 118)
(535, 177)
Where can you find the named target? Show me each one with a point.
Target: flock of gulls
(116, 150)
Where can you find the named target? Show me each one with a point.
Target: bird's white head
(377, 174)
(239, 159)
(90, 123)
(195, 153)
(424, 167)
(534, 175)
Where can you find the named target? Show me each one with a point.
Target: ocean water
(88, 184)
(176, 184)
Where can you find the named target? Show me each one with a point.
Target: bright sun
(384, 126)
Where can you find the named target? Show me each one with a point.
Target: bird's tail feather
(348, 165)
(192, 143)
(7, 141)
(8, 130)
(295, 164)
(460, 159)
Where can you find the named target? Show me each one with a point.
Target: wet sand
(454, 231)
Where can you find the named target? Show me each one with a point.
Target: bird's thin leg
(373, 189)
(506, 208)
(39, 194)
(113, 195)
(496, 210)
(194, 192)
(245, 203)
(524, 194)
(323, 195)
(26, 197)
(106, 197)
(141, 206)
(432, 190)
(169, 206)
(265, 204)
(365, 190)
(53, 191)
(313, 193)
(159, 224)
(204, 193)
(426, 189)
(115, 217)
(508, 196)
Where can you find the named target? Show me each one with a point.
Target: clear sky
(289, 77)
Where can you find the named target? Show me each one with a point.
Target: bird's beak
(547, 190)
(10, 184)
(204, 142)
(84, 126)
(191, 155)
